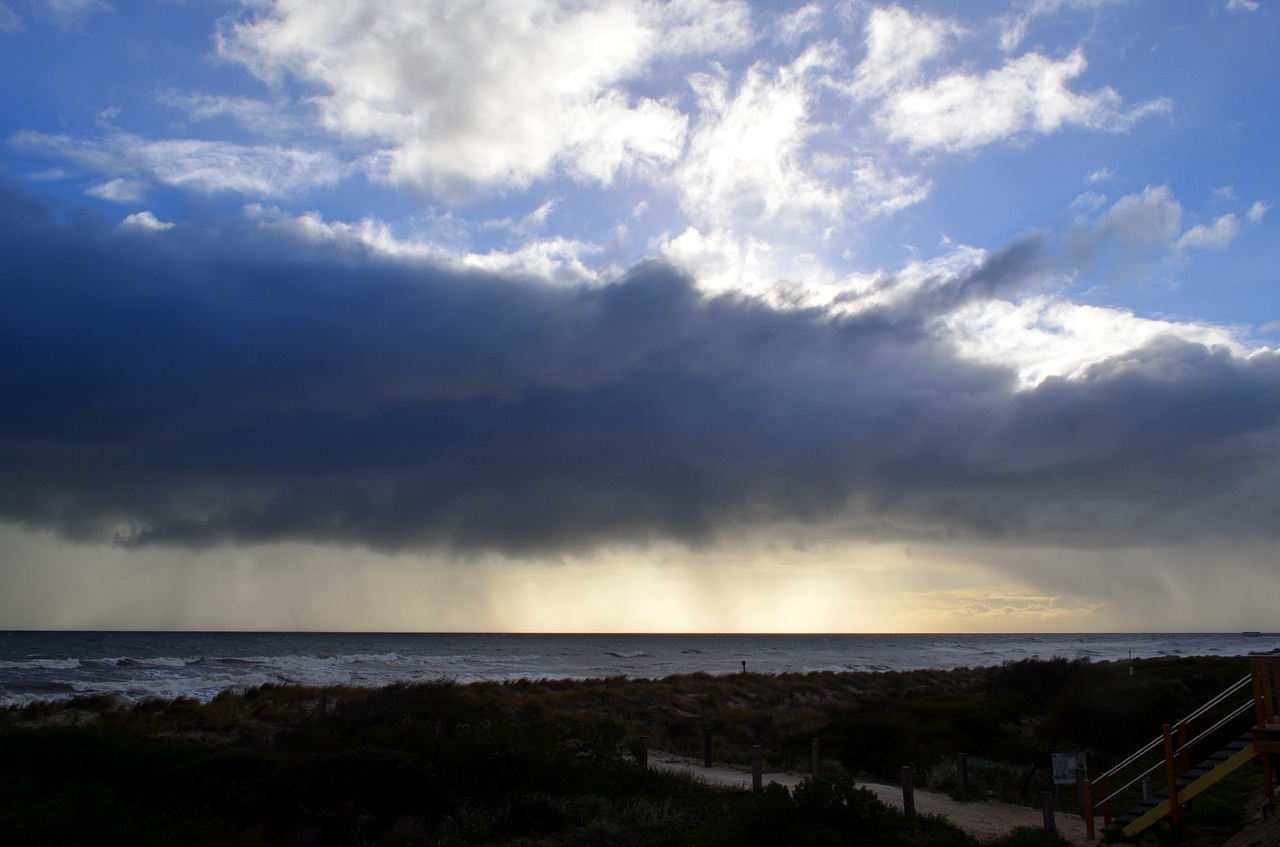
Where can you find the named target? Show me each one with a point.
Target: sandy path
(983, 820)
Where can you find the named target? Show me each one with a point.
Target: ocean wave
(41, 664)
(218, 662)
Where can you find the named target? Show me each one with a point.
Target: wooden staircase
(1182, 783)
(1194, 782)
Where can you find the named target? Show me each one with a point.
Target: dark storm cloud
(199, 391)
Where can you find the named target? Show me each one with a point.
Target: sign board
(1064, 767)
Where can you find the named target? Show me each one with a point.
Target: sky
(701, 315)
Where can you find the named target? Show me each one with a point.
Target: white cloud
(898, 45)
(9, 20)
(119, 190)
(1048, 336)
(1001, 603)
(559, 260)
(1101, 175)
(881, 193)
(143, 222)
(795, 25)
(1144, 221)
(720, 260)
(1090, 201)
(203, 166)
(489, 93)
(1224, 194)
(1152, 220)
(1013, 27)
(964, 109)
(1256, 212)
(71, 13)
(1242, 5)
(257, 115)
(1215, 236)
(1029, 94)
(748, 161)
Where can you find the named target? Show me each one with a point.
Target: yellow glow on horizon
(748, 586)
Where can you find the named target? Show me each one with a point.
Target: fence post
(706, 746)
(815, 758)
(908, 792)
(1104, 785)
(644, 751)
(962, 772)
(1171, 773)
(1046, 804)
(757, 769)
(1087, 806)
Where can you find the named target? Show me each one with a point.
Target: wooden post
(815, 758)
(1046, 804)
(1087, 807)
(644, 751)
(1080, 785)
(1105, 785)
(1171, 773)
(908, 792)
(1184, 757)
(757, 769)
(962, 772)
(706, 746)
(1268, 787)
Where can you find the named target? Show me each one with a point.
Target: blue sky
(652, 316)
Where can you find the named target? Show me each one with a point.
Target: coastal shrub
(1029, 836)
(552, 763)
(1041, 681)
(823, 812)
(920, 731)
(987, 778)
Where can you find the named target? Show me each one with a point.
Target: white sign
(1064, 767)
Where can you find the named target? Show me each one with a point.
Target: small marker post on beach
(706, 746)
(1046, 803)
(962, 772)
(644, 751)
(757, 769)
(908, 793)
(815, 758)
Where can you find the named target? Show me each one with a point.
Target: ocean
(135, 666)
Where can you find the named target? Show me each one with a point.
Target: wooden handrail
(1158, 740)
(1174, 754)
(1240, 710)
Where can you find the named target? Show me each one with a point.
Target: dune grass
(541, 762)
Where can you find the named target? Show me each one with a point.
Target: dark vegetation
(553, 762)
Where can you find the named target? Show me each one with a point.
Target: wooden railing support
(1104, 785)
(1171, 773)
(1184, 756)
(1086, 805)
